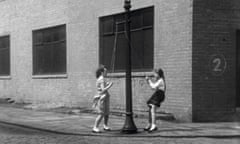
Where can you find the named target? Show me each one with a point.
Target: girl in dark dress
(159, 86)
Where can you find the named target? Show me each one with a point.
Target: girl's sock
(153, 126)
(95, 129)
(147, 127)
(105, 127)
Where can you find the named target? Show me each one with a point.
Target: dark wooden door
(238, 70)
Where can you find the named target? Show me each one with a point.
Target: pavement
(81, 124)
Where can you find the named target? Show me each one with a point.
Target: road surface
(10, 134)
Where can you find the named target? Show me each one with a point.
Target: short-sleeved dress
(159, 95)
(101, 106)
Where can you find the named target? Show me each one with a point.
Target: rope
(114, 49)
(134, 51)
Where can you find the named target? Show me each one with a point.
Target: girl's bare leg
(106, 115)
(149, 119)
(150, 116)
(105, 126)
(153, 114)
(97, 122)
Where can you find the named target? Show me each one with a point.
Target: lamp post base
(129, 126)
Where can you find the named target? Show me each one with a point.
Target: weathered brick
(214, 32)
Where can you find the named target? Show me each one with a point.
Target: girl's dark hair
(100, 70)
(160, 73)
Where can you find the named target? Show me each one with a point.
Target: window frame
(43, 31)
(142, 29)
(8, 48)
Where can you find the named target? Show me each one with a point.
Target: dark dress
(157, 98)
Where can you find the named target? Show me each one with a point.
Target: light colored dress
(101, 106)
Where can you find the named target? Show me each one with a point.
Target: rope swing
(113, 59)
(114, 49)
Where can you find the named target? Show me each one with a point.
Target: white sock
(153, 126)
(105, 126)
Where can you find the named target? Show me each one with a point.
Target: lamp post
(129, 126)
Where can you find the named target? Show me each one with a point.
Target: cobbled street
(10, 134)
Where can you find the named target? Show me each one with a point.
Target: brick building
(49, 50)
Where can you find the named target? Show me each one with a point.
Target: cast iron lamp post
(129, 126)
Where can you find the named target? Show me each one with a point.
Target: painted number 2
(217, 65)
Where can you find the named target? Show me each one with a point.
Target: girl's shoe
(152, 129)
(96, 130)
(106, 128)
(147, 128)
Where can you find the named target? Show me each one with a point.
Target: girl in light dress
(101, 100)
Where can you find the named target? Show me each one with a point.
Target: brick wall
(172, 52)
(214, 29)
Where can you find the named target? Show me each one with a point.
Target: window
(49, 50)
(4, 56)
(112, 32)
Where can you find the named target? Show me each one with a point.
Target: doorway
(238, 69)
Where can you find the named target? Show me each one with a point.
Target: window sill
(5, 77)
(50, 76)
(134, 74)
